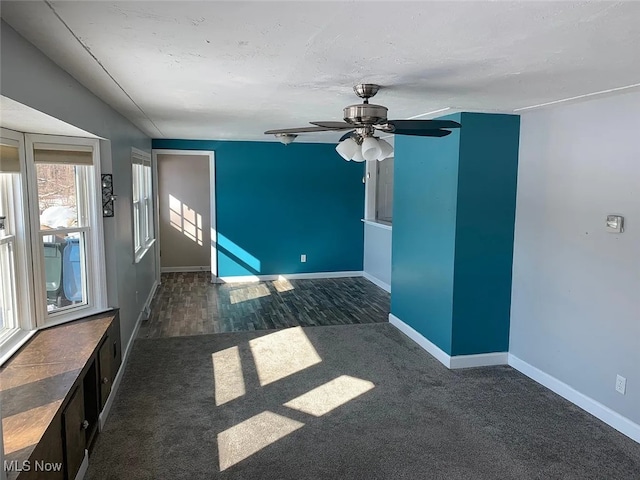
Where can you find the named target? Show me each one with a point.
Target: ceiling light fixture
(357, 157)
(347, 148)
(360, 148)
(286, 138)
(370, 148)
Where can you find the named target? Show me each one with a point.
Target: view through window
(51, 253)
(63, 224)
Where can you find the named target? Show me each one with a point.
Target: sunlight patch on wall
(281, 354)
(246, 438)
(227, 375)
(238, 252)
(186, 220)
(330, 396)
(249, 292)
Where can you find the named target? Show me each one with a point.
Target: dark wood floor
(188, 304)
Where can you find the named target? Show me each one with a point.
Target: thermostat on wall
(615, 223)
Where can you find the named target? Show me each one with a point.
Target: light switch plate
(615, 223)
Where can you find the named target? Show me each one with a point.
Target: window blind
(139, 157)
(80, 155)
(9, 159)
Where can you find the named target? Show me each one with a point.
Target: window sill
(12, 342)
(376, 223)
(143, 251)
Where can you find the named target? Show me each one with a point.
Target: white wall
(28, 77)
(377, 255)
(575, 310)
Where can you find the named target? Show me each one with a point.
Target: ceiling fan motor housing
(365, 113)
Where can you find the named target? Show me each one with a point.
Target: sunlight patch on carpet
(227, 375)
(246, 438)
(331, 395)
(281, 354)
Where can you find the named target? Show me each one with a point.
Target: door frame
(212, 203)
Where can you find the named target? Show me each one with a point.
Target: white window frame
(94, 258)
(17, 201)
(370, 195)
(142, 203)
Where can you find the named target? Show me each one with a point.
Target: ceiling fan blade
(422, 124)
(423, 133)
(335, 125)
(299, 130)
(346, 135)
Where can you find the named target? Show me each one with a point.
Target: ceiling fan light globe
(347, 148)
(386, 150)
(370, 148)
(285, 138)
(358, 155)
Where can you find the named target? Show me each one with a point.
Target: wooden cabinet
(105, 364)
(50, 453)
(53, 391)
(74, 426)
(92, 407)
(109, 358)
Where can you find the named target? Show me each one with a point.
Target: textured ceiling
(230, 70)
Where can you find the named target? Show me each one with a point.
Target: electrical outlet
(303, 258)
(621, 384)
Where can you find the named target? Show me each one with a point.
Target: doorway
(186, 211)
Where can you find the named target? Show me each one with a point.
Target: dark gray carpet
(419, 421)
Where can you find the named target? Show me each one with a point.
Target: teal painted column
(453, 223)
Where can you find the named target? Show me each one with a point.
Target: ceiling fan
(363, 120)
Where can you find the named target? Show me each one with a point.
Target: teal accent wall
(275, 202)
(452, 247)
(425, 179)
(485, 221)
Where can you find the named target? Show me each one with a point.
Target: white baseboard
(479, 360)
(432, 348)
(595, 408)
(452, 362)
(102, 418)
(385, 286)
(84, 466)
(202, 268)
(146, 308)
(288, 276)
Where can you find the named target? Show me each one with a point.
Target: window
(379, 191)
(8, 285)
(66, 223)
(51, 252)
(384, 191)
(16, 319)
(143, 234)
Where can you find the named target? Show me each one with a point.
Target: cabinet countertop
(35, 383)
